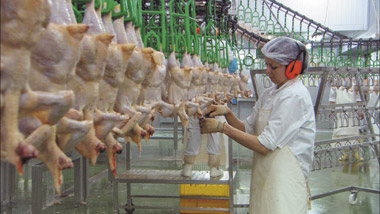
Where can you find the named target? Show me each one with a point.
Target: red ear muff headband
(295, 68)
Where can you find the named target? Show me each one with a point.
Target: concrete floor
(159, 154)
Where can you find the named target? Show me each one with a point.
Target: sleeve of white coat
(250, 122)
(332, 97)
(284, 123)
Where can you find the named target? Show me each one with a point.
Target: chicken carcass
(89, 72)
(140, 43)
(70, 131)
(117, 61)
(243, 85)
(139, 65)
(191, 106)
(43, 138)
(151, 87)
(178, 88)
(219, 95)
(200, 85)
(227, 87)
(204, 75)
(51, 72)
(235, 86)
(126, 102)
(53, 65)
(195, 86)
(22, 24)
(122, 104)
(85, 85)
(118, 26)
(212, 84)
(166, 82)
(107, 22)
(62, 12)
(93, 18)
(148, 112)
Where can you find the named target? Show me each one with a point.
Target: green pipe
(240, 11)
(187, 26)
(78, 15)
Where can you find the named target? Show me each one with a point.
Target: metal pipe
(345, 139)
(350, 188)
(307, 19)
(37, 193)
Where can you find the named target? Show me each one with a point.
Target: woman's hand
(217, 110)
(210, 125)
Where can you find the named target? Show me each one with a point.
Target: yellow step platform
(212, 190)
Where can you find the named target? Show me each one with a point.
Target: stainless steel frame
(8, 185)
(169, 177)
(175, 135)
(80, 183)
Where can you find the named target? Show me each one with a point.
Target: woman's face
(276, 72)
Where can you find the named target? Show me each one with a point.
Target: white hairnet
(285, 50)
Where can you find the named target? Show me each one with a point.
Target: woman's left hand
(210, 125)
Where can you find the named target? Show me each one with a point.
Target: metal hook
(356, 118)
(344, 119)
(373, 154)
(317, 162)
(334, 120)
(329, 158)
(367, 117)
(321, 114)
(312, 81)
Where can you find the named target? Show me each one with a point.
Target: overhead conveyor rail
(260, 20)
(274, 26)
(319, 28)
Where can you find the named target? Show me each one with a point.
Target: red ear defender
(294, 69)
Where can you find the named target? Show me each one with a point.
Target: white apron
(278, 185)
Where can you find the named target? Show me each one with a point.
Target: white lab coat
(291, 123)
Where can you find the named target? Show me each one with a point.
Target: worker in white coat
(280, 131)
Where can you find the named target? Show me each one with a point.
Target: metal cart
(132, 176)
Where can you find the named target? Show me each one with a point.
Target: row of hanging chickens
(67, 86)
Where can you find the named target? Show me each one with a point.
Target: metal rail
(317, 25)
(350, 188)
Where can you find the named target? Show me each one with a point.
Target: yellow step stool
(212, 190)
